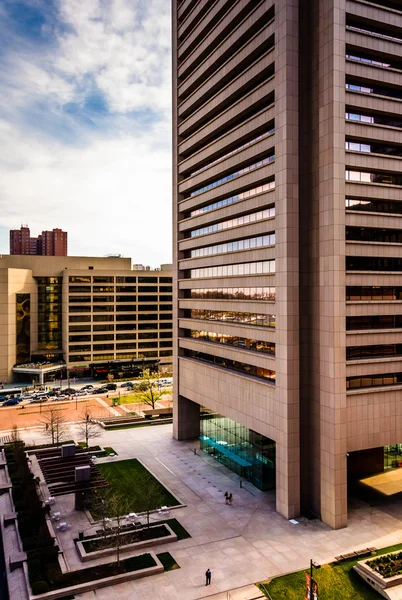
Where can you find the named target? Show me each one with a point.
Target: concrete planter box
(101, 583)
(85, 556)
(379, 583)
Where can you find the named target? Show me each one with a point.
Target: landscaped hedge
(387, 565)
(61, 580)
(131, 537)
(31, 516)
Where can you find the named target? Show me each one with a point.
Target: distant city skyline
(85, 121)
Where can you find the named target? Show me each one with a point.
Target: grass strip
(335, 580)
(123, 477)
(168, 562)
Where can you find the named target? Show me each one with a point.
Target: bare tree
(15, 435)
(88, 429)
(150, 392)
(110, 377)
(112, 509)
(54, 425)
(150, 492)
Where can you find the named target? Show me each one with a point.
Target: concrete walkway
(241, 544)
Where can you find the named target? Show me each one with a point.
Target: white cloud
(105, 179)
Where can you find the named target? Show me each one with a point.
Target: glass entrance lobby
(247, 453)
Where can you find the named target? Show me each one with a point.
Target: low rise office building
(82, 316)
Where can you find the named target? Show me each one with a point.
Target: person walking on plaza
(226, 497)
(208, 577)
(230, 498)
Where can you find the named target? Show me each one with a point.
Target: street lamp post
(312, 564)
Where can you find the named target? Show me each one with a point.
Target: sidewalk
(249, 592)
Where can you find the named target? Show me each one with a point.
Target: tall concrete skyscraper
(287, 206)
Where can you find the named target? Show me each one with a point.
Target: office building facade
(287, 137)
(48, 243)
(84, 316)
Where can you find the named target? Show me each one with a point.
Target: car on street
(81, 393)
(101, 390)
(69, 391)
(38, 400)
(11, 402)
(61, 397)
(111, 386)
(88, 387)
(2, 398)
(127, 384)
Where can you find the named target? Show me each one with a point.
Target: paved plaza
(241, 544)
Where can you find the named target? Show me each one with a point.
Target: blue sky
(85, 126)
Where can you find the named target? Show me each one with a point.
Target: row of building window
(370, 61)
(239, 293)
(243, 171)
(260, 241)
(131, 289)
(266, 187)
(109, 318)
(373, 293)
(260, 137)
(376, 351)
(389, 121)
(120, 308)
(373, 177)
(255, 268)
(119, 279)
(119, 346)
(373, 263)
(374, 205)
(367, 381)
(245, 318)
(232, 365)
(119, 336)
(141, 307)
(374, 88)
(119, 356)
(373, 148)
(233, 340)
(373, 322)
(371, 234)
(374, 31)
(243, 220)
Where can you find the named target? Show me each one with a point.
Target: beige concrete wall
(12, 282)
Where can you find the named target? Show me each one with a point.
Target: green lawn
(335, 580)
(122, 477)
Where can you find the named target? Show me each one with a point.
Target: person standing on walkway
(208, 577)
(226, 497)
(230, 498)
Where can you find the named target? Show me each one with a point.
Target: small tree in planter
(150, 493)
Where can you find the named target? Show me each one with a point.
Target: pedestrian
(230, 498)
(226, 497)
(208, 577)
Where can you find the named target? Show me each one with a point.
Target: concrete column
(186, 419)
(41, 378)
(286, 410)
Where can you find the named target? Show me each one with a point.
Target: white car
(82, 393)
(61, 397)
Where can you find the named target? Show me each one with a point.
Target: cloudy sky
(85, 124)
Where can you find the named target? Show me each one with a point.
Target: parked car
(127, 384)
(2, 398)
(101, 390)
(111, 386)
(61, 397)
(69, 391)
(81, 393)
(88, 387)
(11, 402)
(38, 400)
